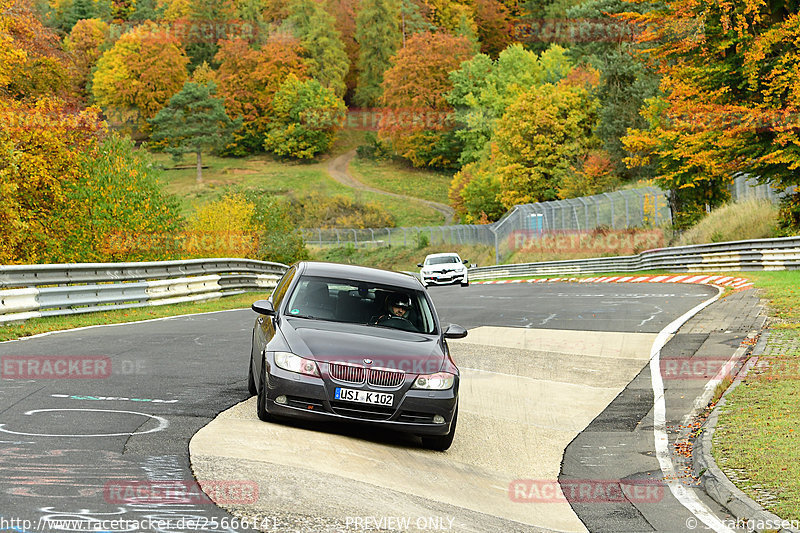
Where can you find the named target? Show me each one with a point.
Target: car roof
(445, 254)
(359, 273)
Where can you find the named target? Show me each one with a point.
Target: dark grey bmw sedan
(349, 343)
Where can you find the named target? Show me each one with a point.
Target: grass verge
(401, 179)
(56, 323)
(757, 439)
(752, 219)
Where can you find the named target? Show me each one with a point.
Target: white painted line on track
(686, 497)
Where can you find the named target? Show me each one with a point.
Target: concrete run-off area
(525, 395)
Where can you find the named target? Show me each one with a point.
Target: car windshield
(441, 260)
(358, 302)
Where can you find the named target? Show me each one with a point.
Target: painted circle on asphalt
(162, 424)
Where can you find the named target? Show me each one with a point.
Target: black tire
(261, 401)
(441, 443)
(251, 380)
(465, 283)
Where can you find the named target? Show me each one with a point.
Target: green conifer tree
(193, 121)
(316, 29)
(378, 36)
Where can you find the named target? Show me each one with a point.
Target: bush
(789, 215)
(277, 223)
(340, 211)
(375, 149)
(223, 228)
(122, 196)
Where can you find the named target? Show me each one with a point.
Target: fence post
(627, 212)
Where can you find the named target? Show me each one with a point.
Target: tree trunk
(199, 169)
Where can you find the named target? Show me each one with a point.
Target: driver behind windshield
(397, 306)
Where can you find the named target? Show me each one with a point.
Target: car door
(264, 329)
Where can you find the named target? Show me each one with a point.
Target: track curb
(721, 281)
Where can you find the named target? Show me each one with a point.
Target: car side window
(282, 287)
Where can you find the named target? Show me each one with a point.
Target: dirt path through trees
(338, 170)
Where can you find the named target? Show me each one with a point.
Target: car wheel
(441, 442)
(465, 283)
(251, 381)
(261, 401)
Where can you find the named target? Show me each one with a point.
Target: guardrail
(759, 254)
(30, 291)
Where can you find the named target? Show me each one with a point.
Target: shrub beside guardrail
(31, 291)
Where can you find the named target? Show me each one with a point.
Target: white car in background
(444, 269)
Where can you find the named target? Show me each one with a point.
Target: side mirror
(465, 261)
(263, 307)
(419, 265)
(454, 331)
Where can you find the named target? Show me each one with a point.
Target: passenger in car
(318, 301)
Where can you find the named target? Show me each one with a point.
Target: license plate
(362, 396)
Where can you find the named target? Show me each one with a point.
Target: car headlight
(294, 363)
(437, 381)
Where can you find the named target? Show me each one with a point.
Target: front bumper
(444, 279)
(312, 398)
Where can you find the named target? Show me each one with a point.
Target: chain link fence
(634, 208)
(640, 208)
(747, 187)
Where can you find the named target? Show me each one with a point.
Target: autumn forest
(518, 101)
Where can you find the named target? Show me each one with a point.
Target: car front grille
(385, 378)
(348, 373)
(379, 377)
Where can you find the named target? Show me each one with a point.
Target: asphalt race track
(551, 374)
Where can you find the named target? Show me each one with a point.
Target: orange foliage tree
(84, 46)
(32, 60)
(248, 79)
(731, 100)
(418, 116)
(39, 146)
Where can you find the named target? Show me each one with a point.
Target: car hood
(352, 343)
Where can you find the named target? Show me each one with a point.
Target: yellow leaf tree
(136, 78)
